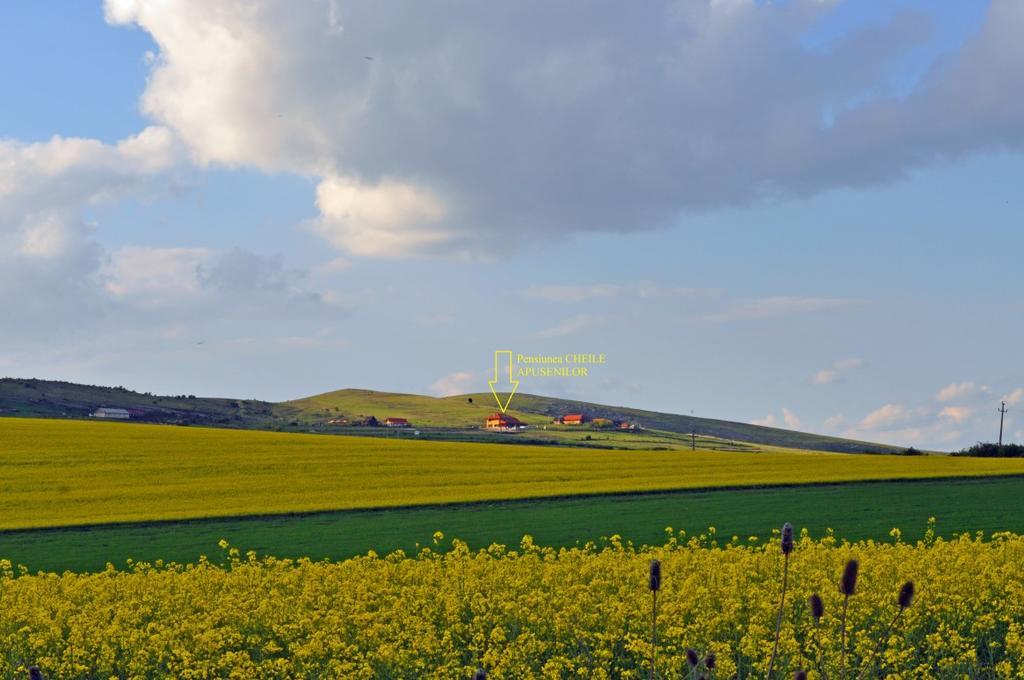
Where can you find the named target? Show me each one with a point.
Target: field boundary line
(142, 524)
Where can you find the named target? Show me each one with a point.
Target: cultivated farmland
(61, 473)
(526, 612)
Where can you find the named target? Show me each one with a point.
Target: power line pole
(1002, 413)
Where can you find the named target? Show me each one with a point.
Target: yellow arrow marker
(497, 380)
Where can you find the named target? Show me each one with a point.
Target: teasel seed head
(801, 674)
(692, 657)
(817, 607)
(787, 538)
(906, 597)
(654, 577)
(848, 584)
(710, 660)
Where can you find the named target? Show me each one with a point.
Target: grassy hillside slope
(58, 399)
(65, 472)
(460, 412)
(54, 399)
(420, 410)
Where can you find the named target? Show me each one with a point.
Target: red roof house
(502, 421)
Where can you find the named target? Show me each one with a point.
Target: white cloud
(151, 275)
(829, 375)
(792, 422)
(572, 325)
(50, 267)
(1014, 397)
(780, 306)
(44, 186)
(885, 416)
(459, 382)
(957, 414)
(477, 124)
(833, 423)
(387, 219)
(789, 420)
(824, 376)
(956, 391)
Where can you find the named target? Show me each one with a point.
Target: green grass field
(854, 511)
(421, 410)
(460, 412)
(59, 473)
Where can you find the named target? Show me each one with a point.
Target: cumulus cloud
(966, 412)
(957, 414)
(886, 416)
(387, 219)
(459, 382)
(836, 370)
(50, 265)
(958, 391)
(1014, 397)
(45, 185)
(474, 120)
(789, 420)
(152, 275)
(833, 423)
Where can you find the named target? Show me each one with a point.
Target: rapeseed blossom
(527, 611)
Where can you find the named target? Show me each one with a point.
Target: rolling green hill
(58, 399)
(533, 409)
(448, 417)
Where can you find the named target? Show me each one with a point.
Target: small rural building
(626, 425)
(502, 421)
(396, 422)
(573, 419)
(115, 413)
(338, 421)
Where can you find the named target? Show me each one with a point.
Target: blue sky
(804, 214)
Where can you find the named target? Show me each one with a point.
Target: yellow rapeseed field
(58, 473)
(525, 612)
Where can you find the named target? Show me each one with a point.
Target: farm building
(573, 419)
(502, 421)
(115, 413)
(396, 422)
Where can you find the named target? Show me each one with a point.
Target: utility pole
(693, 440)
(1002, 413)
